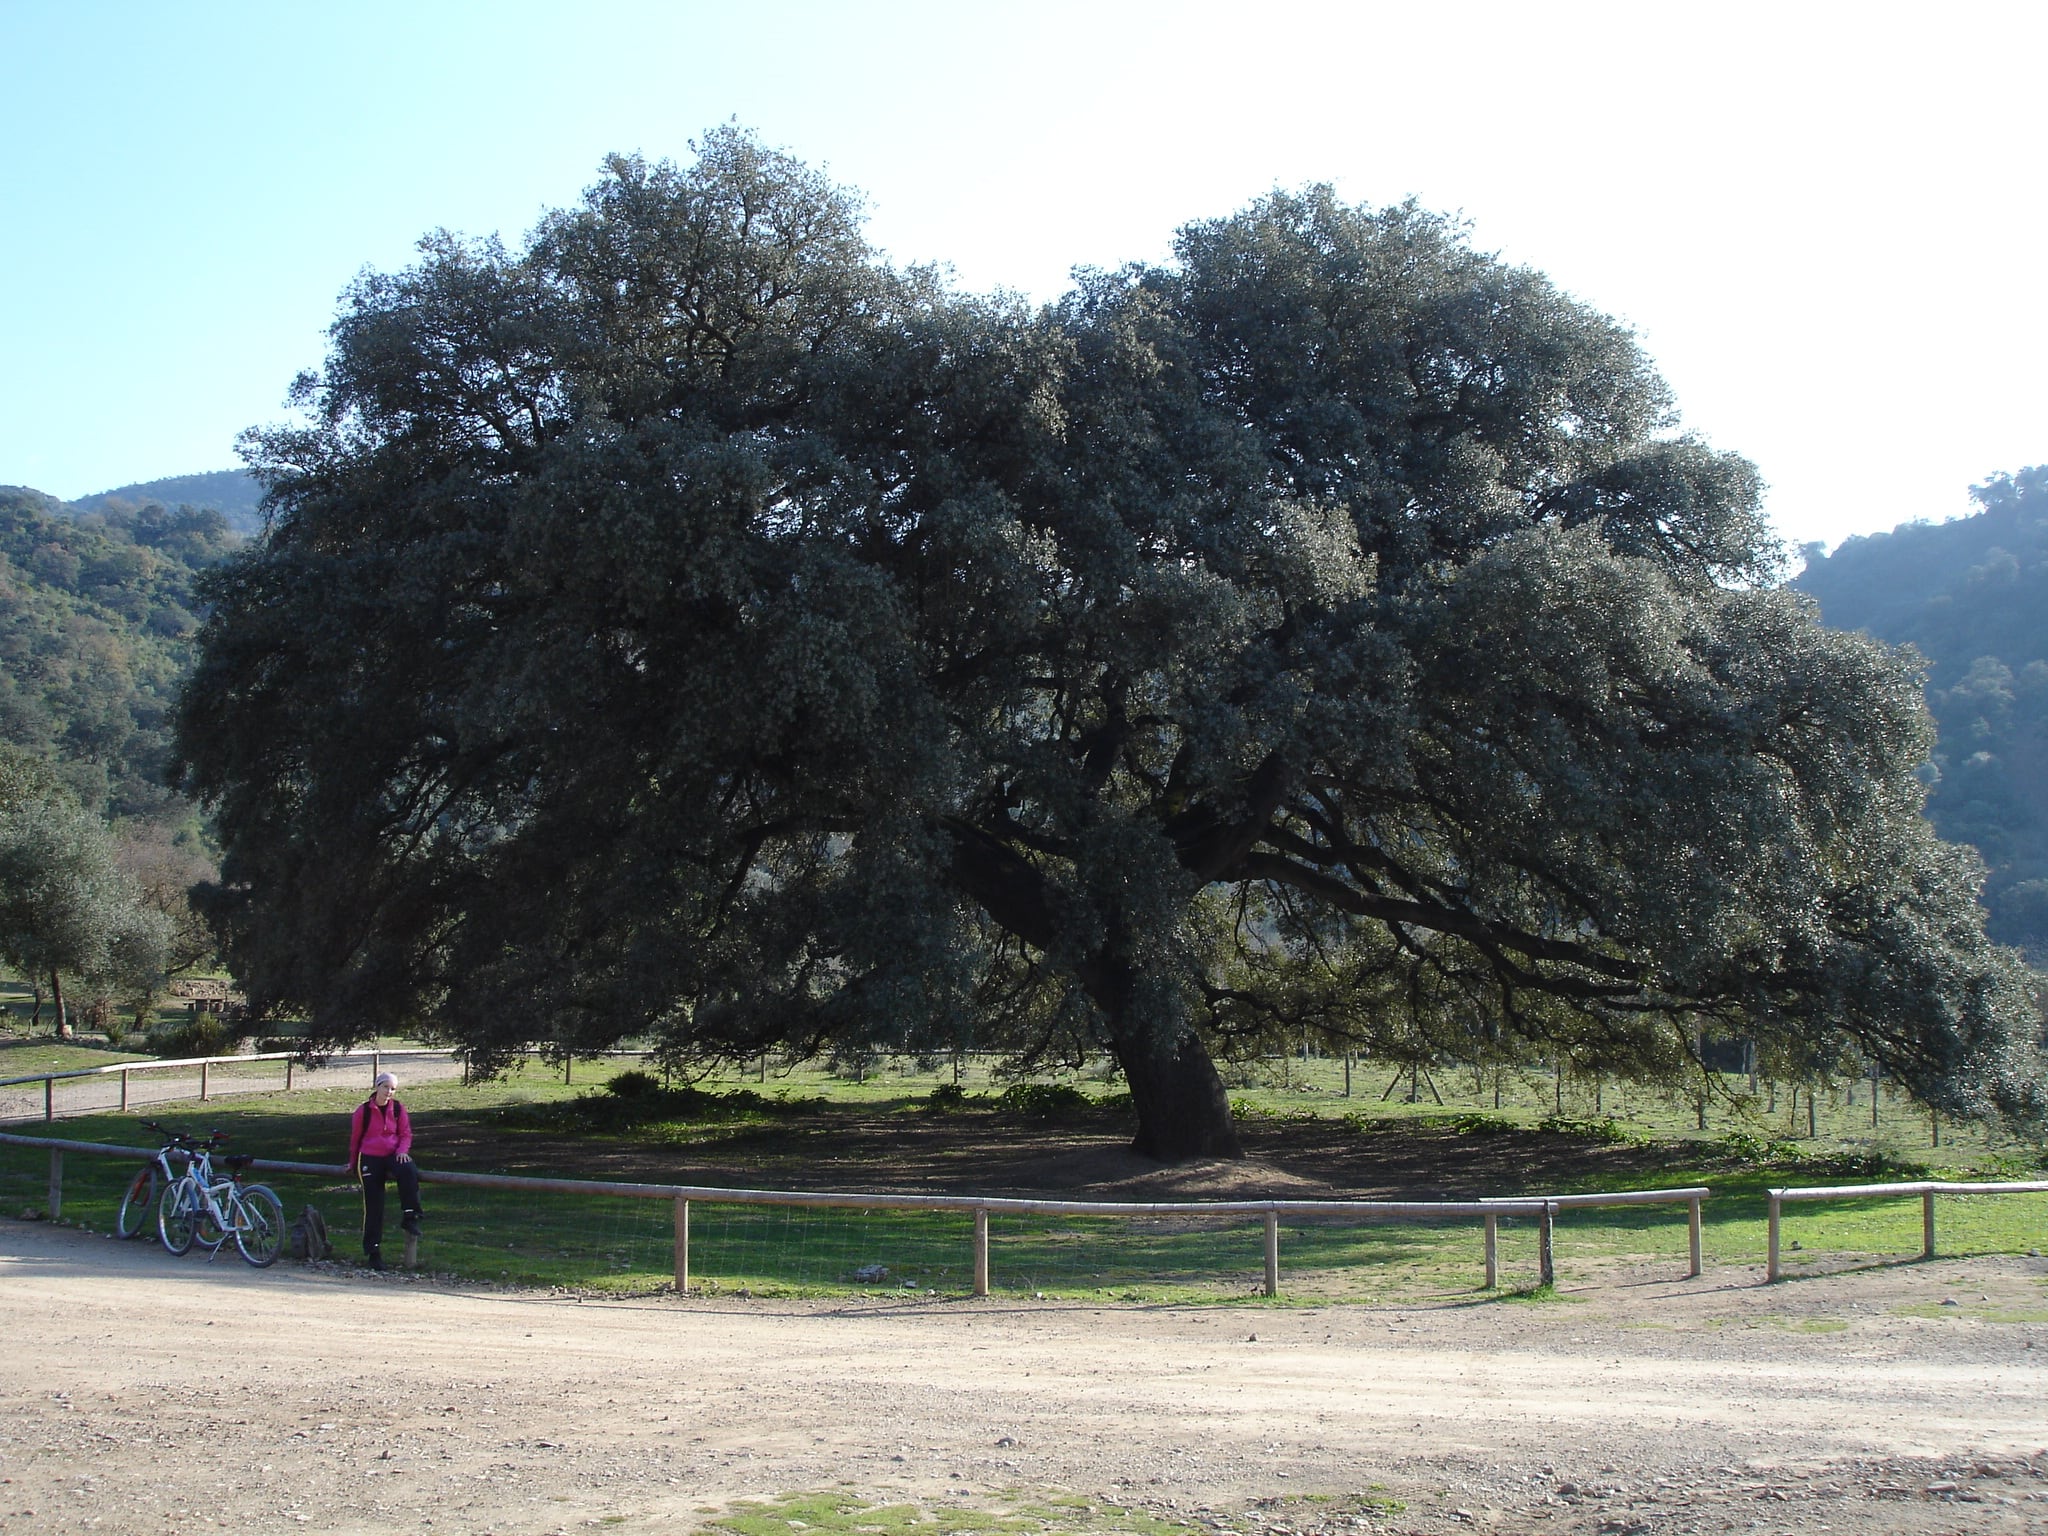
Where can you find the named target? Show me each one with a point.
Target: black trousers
(375, 1170)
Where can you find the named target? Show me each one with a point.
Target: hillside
(1972, 597)
(231, 492)
(96, 635)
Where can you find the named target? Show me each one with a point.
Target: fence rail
(982, 1207)
(295, 1066)
(1926, 1189)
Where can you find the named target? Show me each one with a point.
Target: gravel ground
(144, 1393)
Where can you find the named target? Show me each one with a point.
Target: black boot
(410, 1222)
(375, 1258)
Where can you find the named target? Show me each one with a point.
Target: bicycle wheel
(207, 1230)
(259, 1225)
(137, 1201)
(174, 1217)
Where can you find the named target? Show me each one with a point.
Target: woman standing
(380, 1147)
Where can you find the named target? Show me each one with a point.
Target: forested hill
(1972, 595)
(96, 634)
(233, 493)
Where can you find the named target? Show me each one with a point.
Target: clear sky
(1826, 222)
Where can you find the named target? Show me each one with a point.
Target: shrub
(1043, 1101)
(634, 1084)
(204, 1034)
(1475, 1123)
(946, 1099)
(1606, 1130)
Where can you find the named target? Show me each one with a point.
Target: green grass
(33, 1057)
(835, 1514)
(606, 1243)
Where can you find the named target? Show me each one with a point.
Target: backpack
(309, 1237)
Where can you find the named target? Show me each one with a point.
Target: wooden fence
(1926, 1189)
(1543, 1208)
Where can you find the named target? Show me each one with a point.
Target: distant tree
(688, 623)
(66, 908)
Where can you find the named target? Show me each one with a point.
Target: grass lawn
(811, 1129)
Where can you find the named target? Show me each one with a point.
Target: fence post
(1272, 1253)
(1692, 1223)
(56, 1200)
(202, 1082)
(1546, 1270)
(289, 1063)
(682, 1246)
(376, 1066)
(49, 1098)
(981, 1250)
(124, 1087)
(1492, 1252)
(1771, 1261)
(1927, 1225)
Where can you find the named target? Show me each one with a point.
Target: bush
(1607, 1130)
(946, 1099)
(634, 1084)
(1043, 1101)
(1475, 1123)
(204, 1034)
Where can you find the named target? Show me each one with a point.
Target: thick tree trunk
(57, 993)
(1183, 1110)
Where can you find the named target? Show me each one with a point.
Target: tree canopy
(689, 623)
(67, 908)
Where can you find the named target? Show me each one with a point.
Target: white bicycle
(199, 1207)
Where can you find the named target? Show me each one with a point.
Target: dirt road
(144, 1393)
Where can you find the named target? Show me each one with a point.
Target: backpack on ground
(309, 1237)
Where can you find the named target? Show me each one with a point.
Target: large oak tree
(688, 623)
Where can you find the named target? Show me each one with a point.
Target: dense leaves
(688, 623)
(67, 908)
(97, 626)
(1972, 597)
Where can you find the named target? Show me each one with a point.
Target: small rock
(1252, 1339)
(1950, 1301)
(1941, 1490)
(1797, 1246)
(1007, 1442)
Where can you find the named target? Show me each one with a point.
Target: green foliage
(203, 1034)
(233, 493)
(1971, 596)
(66, 906)
(688, 624)
(1479, 1123)
(1044, 1101)
(946, 1099)
(1603, 1130)
(97, 623)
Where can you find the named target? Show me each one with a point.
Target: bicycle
(201, 1208)
(138, 1200)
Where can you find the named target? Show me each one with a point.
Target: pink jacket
(379, 1133)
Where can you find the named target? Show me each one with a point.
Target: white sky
(1826, 222)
